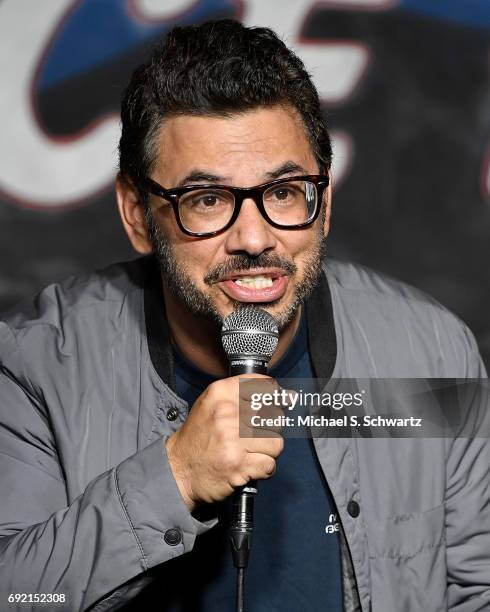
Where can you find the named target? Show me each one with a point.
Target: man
(119, 427)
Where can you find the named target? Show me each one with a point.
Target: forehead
(240, 148)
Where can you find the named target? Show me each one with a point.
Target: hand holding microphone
(208, 457)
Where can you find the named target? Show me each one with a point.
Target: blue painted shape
(97, 31)
(474, 13)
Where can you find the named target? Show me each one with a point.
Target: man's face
(251, 262)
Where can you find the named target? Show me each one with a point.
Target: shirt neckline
(295, 351)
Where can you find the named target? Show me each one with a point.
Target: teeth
(254, 282)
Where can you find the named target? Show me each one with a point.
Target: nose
(250, 233)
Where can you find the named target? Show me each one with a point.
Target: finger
(262, 394)
(259, 466)
(251, 388)
(272, 446)
(270, 418)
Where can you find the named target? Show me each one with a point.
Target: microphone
(249, 336)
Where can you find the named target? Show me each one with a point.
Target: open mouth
(254, 282)
(260, 287)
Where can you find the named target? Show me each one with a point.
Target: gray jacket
(87, 495)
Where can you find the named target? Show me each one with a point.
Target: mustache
(242, 263)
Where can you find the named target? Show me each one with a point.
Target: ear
(132, 212)
(327, 199)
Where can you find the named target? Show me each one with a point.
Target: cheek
(299, 244)
(197, 257)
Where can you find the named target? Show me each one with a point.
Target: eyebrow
(288, 167)
(201, 176)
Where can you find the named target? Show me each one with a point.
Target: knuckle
(231, 459)
(238, 480)
(223, 409)
(218, 388)
(277, 445)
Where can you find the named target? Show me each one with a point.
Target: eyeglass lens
(209, 210)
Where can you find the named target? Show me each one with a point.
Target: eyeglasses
(206, 210)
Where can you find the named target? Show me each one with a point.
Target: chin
(282, 313)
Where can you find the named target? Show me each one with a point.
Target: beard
(199, 303)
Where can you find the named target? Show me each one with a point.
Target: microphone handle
(242, 524)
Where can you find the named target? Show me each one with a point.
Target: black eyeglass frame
(256, 193)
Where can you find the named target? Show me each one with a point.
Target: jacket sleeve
(468, 501)
(93, 551)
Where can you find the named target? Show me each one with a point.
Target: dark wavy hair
(219, 68)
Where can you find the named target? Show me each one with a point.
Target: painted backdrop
(405, 85)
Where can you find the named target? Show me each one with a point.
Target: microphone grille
(249, 331)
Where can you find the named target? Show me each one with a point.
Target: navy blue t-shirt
(295, 559)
